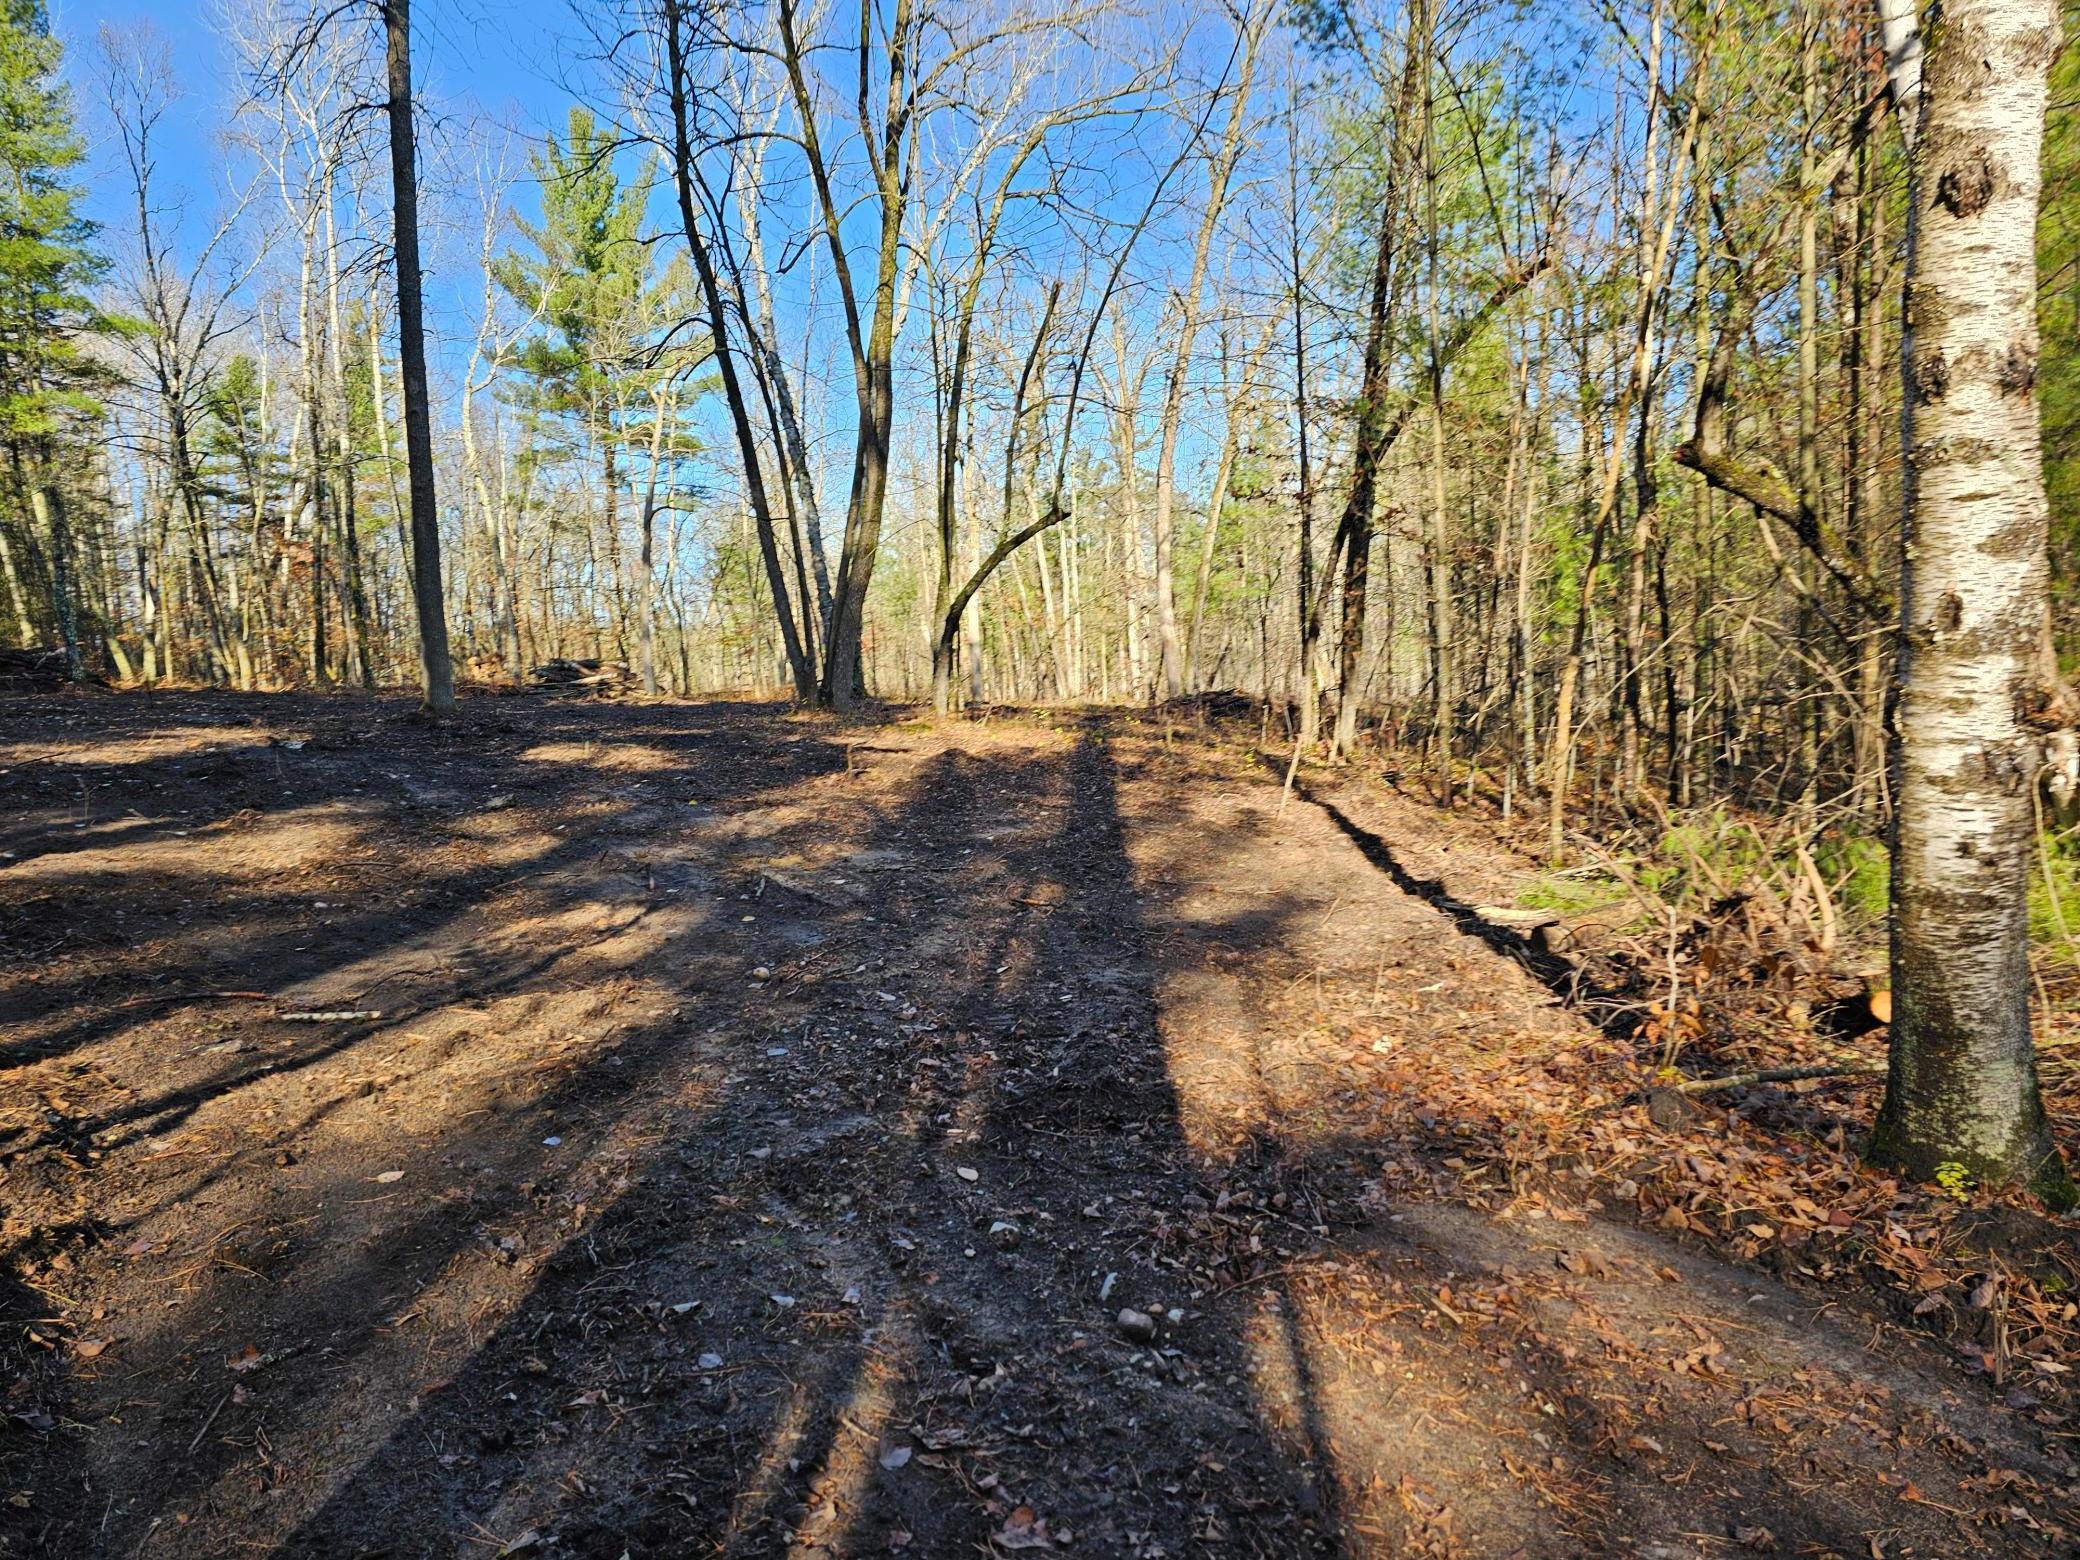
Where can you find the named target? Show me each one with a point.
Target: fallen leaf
(1023, 1530)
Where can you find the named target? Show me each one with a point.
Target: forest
(1207, 777)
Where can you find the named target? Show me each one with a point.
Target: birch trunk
(1962, 1088)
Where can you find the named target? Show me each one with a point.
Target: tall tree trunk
(1813, 706)
(1442, 628)
(1373, 434)
(646, 581)
(438, 672)
(48, 505)
(873, 347)
(1310, 610)
(673, 18)
(358, 630)
(1975, 576)
(1559, 766)
(1250, 31)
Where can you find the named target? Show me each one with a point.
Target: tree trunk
(439, 674)
(1373, 435)
(356, 616)
(49, 507)
(1218, 173)
(673, 18)
(1962, 1089)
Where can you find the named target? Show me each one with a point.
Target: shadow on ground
(755, 1152)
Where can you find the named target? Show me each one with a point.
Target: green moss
(2048, 1180)
(2055, 1186)
(1862, 867)
(2054, 899)
(1568, 893)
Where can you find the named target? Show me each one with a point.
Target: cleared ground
(733, 1133)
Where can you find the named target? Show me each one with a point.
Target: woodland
(1267, 777)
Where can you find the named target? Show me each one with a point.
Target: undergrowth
(1705, 859)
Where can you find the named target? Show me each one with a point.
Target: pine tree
(48, 263)
(590, 282)
(589, 269)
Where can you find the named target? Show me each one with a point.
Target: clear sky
(513, 60)
(480, 65)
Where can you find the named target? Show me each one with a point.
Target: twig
(1823, 901)
(1286, 793)
(1779, 1075)
(194, 996)
(199, 1434)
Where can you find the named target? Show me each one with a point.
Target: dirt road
(743, 1134)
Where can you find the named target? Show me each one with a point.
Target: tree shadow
(944, 1358)
(830, 1262)
(53, 1141)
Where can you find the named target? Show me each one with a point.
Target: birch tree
(1975, 696)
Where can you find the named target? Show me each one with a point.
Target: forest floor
(756, 1128)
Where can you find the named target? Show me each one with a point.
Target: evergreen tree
(588, 272)
(48, 263)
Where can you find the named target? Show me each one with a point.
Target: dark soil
(736, 1133)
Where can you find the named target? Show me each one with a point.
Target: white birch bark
(1963, 1085)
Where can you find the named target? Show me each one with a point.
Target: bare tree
(438, 671)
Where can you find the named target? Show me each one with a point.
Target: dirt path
(765, 1126)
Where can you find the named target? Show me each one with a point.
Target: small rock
(709, 1362)
(1004, 1235)
(761, 973)
(1670, 1109)
(1137, 1325)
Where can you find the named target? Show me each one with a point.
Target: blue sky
(509, 59)
(479, 65)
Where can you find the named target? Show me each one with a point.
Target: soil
(732, 1132)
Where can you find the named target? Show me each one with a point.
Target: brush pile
(602, 677)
